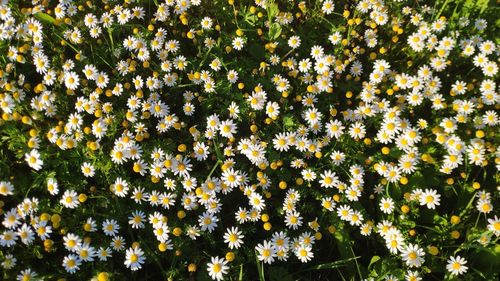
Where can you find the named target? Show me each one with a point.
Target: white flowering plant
(249, 140)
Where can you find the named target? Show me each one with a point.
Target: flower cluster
(141, 134)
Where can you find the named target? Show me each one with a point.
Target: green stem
(110, 33)
(288, 53)
(477, 219)
(213, 168)
(67, 43)
(356, 262)
(468, 205)
(442, 8)
(235, 19)
(203, 60)
(217, 151)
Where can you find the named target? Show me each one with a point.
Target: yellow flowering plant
(249, 140)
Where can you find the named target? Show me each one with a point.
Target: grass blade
(260, 268)
(330, 265)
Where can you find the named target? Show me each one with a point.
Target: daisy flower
(293, 220)
(9, 261)
(327, 7)
(266, 252)
(238, 43)
(33, 159)
(337, 157)
(256, 201)
(413, 255)
(201, 151)
(334, 129)
(272, 110)
(456, 265)
(308, 175)
(280, 142)
(206, 23)
(11, 219)
(70, 199)
(234, 110)
(88, 169)
(394, 241)
(328, 179)
(490, 69)
(227, 128)
(86, 253)
(43, 230)
(357, 130)
(344, 212)
(356, 218)
(217, 268)
(27, 274)
(304, 253)
(110, 227)
(386, 205)
(71, 263)
(353, 193)
(137, 219)
(193, 232)
(305, 65)
(161, 232)
(71, 80)
(233, 238)
(8, 238)
(317, 52)
(72, 242)
(90, 225)
(494, 225)
(208, 221)
(294, 42)
(134, 258)
(231, 177)
(118, 243)
(431, 198)
(335, 38)
(232, 76)
(484, 206)
(120, 188)
(6, 188)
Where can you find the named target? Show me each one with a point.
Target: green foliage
(189, 68)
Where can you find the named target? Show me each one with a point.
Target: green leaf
(251, 19)
(45, 18)
(274, 31)
(344, 247)
(277, 273)
(272, 10)
(373, 260)
(110, 33)
(479, 273)
(37, 253)
(482, 5)
(260, 267)
(288, 121)
(484, 259)
(333, 265)
(240, 277)
(3, 44)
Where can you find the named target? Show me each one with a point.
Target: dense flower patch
(245, 140)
